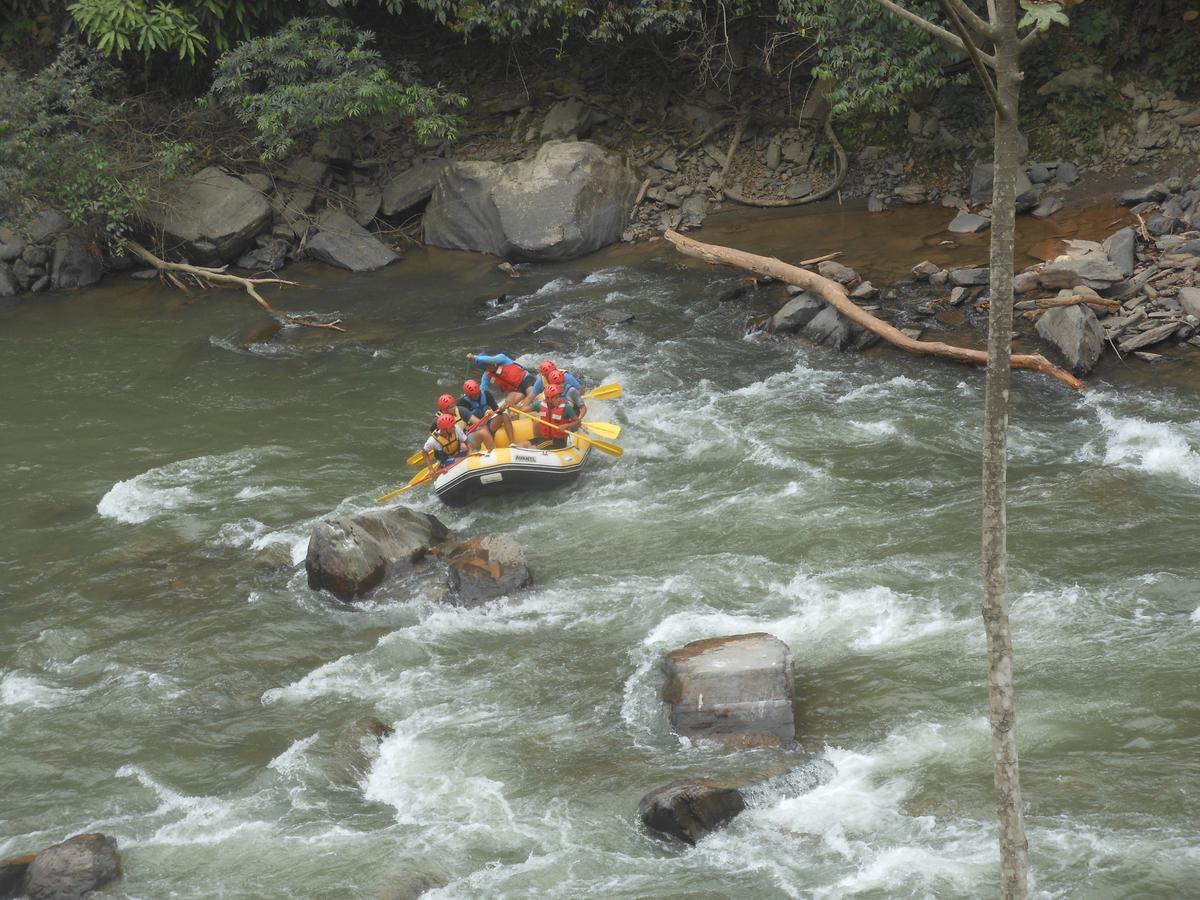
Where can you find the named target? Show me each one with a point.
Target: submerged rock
(71, 869)
(690, 809)
(486, 568)
(356, 748)
(737, 690)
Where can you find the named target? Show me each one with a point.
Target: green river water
(167, 677)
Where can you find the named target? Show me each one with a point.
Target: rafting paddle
(420, 478)
(604, 392)
(604, 429)
(605, 446)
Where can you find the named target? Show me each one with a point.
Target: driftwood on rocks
(218, 276)
(835, 295)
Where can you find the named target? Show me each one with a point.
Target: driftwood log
(170, 271)
(835, 295)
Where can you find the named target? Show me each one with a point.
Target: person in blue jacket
(503, 376)
(478, 408)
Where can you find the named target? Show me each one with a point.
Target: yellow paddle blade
(420, 478)
(604, 429)
(604, 392)
(416, 459)
(605, 446)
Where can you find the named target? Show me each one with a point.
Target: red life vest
(508, 377)
(556, 414)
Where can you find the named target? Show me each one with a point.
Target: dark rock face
(1091, 269)
(1075, 331)
(573, 197)
(349, 555)
(214, 216)
(796, 313)
(12, 874)
(342, 242)
(690, 809)
(74, 266)
(486, 568)
(981, 183)
(70, 869)
(737, 690)
(411, 187)
(356, 748)
(269, 257)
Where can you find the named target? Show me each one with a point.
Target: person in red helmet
(572, 389)
(559, 412)
(447, 443)
(480, 411)
(480, 437)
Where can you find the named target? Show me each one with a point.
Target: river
(168, 678)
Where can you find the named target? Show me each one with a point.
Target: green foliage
(316, 75)
(186, 31)
(1042, 15)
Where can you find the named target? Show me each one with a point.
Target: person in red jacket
(560, 415)
(505, 377)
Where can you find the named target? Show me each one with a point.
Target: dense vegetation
(70, 137)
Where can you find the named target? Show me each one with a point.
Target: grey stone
(572, 198)
(1024, 282)
(413, 186)
(69, 870)
(797, 152)
(74, 265)
(939, 278)
(487, 568)
(875, 203)
(342, 242)
(1072, 81)
(797, 189)
(307, 173)
(865, 291)
(829, 328)
(40, 285)
(48, 224)
(912, 193)
(667, 162)
(1147, 194)
(924, 269)
(737, 690)
(1190, 248)
(568, 118)
(1159, 224)
(796, 313)
(1093, 270)
(1028, 193)
(1189, 300)
(690, 809)
(350, 555)
(35, 256)
(8, 283)
(774, 154)
(1066, 173)
(1189, 119)
(268, 257)
(12, 248)
(970, 277)
(260, 181)
(981, 183)
(367, 201)
(843, 275)
(1048, 207)
(968, 223)
(1038, 173)
(1120, 247)
(213, 215)
(24, 274)
(692, 211)
(957, 296)
(1075, 331)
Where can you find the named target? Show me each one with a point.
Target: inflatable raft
(507, 469)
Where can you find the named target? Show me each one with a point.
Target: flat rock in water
(829, 328)
(213, 215)
(690, 809)
(737, 690)
(349, 555)
(796, 313)
(413, 186)
(1075, 331)
(969, 223)
(1048, 207)
(486, 568)
(69, 870)
(342, 242)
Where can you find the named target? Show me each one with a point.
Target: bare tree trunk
(1006, 159)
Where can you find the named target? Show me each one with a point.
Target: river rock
(913, 193)
(367, 201)
(832, 269)
(11, 246)
(924, 269)
(774, 154)
(74, 265)
(692, 211)
(970, 277)
(1066, 173)
(8, 282)
(690, 809)
(49, 223)
(568, 118)
(12, 874)
(737, 690)
(356, 748)
(1075, 331)
(1189, 300)
(1093, 269)
(981, 182)
(1148, 194)
(69, 870)
(412, 186)
(1038, 173)
(269, 256)
(573, 197)
(342, 242)
(213, 215)
(1048, 206)
(1120, 247)
(1024, 282)
(412, 886)
(829, 328)
(349, 555)
(969, 223)
(486, 568)
(796, 313)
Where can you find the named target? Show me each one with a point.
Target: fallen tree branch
(1077, 299)
(218, 276)
(833, 294)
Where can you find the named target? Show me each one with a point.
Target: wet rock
(413, 186)
(1148, 194)
(970, 277)
(8, 282)
(213, 216)
(968, 223)
(1120, 247)
(1038, 173)
(357, 747)
(568, 118)
(342, 242)
(796, 313)
(350, 555)
(1028, 193)
(42, 284)
(690, 809)
(1094, 270)
(981, 182)
(74, 265)
(913, 193)
(12, 874)
(865, 291)
(1066, 173)
(922, 270)
(486, 568)
(692, 211)
(834, 270)
(1073, 81)
(875, 203)
(71, 869)
(1075, 331)
(1048, 206)
(48, 224)
(268, 257)
(572, 198)
(410, 887)
(737, 690)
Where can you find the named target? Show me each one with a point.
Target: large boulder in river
(737, 690)
(213, 216)
(690, 809)
(74, 264)
(71, 869)
(573, 197)
(1075, 331)
(485, 568)
(342, 242)
(350, 555)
